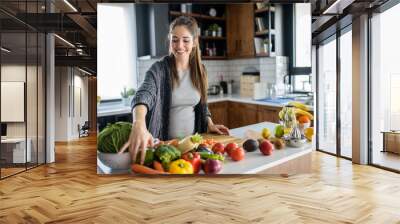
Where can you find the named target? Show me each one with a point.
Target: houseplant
(109, 142)
(127, 96)
(213, 29)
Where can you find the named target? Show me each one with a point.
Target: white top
(181, 114)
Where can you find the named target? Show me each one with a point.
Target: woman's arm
(217, 128)
(143, 102)
(140, 137)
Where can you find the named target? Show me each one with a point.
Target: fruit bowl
(295, 142)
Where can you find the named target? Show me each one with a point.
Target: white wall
(116, 46)
(271, 69)
(71, 95)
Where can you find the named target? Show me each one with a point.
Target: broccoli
(166, 154)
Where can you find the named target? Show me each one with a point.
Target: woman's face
(181, 42)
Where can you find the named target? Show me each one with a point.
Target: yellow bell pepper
(181, 166)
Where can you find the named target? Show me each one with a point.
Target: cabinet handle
(236, 45)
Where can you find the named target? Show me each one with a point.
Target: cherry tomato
(237, 154)
(230, 146)
(218, 148)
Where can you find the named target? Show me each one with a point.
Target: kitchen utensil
(214, 90)
(224, 86)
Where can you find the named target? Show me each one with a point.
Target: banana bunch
(301, 109)
(299, 105)
(287, 113)
(299, 112)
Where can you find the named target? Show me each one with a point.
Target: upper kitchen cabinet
(265, 32)
(240, 30)
(212, 23)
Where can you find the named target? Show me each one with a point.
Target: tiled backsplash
(271, 69)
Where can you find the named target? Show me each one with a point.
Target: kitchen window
(327, 96)
(116, 49)
(385, 89)
(302, 37)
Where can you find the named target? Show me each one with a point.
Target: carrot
(173, 142)
(157, 165)
(137, 168)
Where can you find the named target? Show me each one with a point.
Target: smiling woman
(172, 100)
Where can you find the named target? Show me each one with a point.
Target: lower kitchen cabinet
(219, 112)
(241, 114)
(234, 114)
(267, 113)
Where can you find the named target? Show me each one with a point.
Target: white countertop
(119, 108)
(240, 99)
(255, 162)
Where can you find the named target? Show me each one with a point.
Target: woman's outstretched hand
(139, 139)
(218, 128)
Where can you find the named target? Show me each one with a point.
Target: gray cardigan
(155, 93)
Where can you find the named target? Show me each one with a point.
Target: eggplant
(212, 166)
(204, 149)
(250, 145)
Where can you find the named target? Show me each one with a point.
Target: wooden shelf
(213, 57)
(212, 38)
(261, 33)
(196, 15)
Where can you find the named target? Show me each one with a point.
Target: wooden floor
(387, 159)
(70, 191)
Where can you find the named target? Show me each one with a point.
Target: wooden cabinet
(219, 112)
(240, 30)
(234, 114)
(241, 114)
(267, 113)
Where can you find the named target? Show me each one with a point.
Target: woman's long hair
(197, 71)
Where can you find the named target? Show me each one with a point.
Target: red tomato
(237, 154)
(230, 146)
(218, 148)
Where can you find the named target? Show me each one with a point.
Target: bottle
(214, 50)
(207, 50)
(230, 83)
(272, 92)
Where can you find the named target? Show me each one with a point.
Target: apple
(266, 147)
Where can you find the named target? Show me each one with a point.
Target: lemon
(265, 133)
(309, 132)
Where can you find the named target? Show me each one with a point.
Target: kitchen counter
(249, 100)
(119, 108)
(288, 160)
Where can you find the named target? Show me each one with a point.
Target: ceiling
(76, 23)
(330, 15)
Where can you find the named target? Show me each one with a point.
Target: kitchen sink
(283, 100)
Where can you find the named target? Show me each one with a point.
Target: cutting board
(227, 139)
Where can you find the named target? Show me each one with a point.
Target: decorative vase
(126, 101)
(265, 48)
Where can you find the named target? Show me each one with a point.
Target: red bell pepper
(194, 159)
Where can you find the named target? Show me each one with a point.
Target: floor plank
(70, 191)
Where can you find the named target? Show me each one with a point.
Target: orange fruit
(303, 119)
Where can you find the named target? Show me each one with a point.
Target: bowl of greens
(109, 141)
